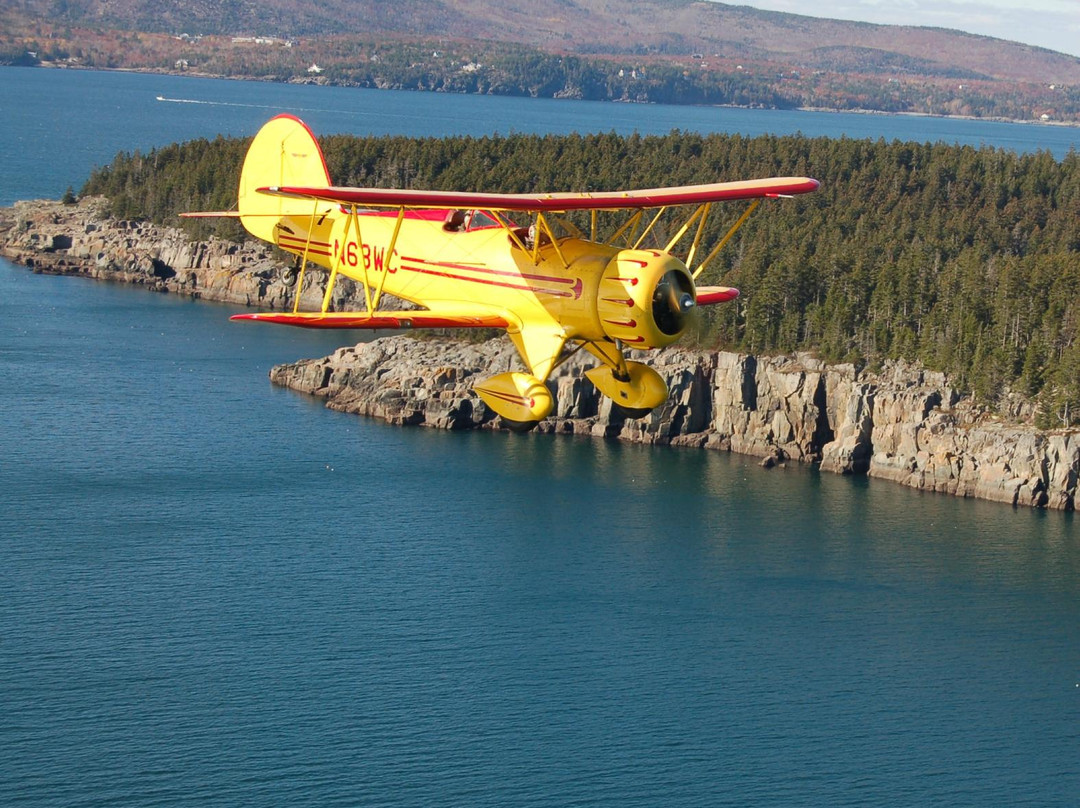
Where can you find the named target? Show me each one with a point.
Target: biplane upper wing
(557, 202)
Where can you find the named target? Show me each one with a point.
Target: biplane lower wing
(711, 295)
(378, 320)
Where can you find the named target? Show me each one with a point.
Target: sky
(1053, 24)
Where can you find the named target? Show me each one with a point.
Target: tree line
(862, 78)
(966, 259)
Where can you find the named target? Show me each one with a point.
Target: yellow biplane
(468, 261)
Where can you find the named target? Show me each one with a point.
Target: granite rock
(901, 424)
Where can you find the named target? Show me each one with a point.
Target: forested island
(964, 260)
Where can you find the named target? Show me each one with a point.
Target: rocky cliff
(901, 423)
(57, 239)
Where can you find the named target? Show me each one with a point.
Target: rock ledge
(903, 423)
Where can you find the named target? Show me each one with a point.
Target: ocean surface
(216, 592)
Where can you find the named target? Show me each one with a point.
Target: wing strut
(389, 255)
(304, 258)
(500, 217)
(630, 224)
(648, 229)
(339, 257)
(541, 221)
(705, 209)
(701, 213)
(726, 238)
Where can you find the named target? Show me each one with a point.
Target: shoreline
(903, 423)
(299, 80)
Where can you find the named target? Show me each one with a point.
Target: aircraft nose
(672, 299)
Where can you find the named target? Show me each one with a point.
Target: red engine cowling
(645, 297)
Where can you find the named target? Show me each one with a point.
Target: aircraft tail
(284, 152)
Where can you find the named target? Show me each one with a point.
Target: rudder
(284, 152)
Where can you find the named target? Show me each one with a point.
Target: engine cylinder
(645, 297)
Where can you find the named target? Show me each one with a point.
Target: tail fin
(284, 152)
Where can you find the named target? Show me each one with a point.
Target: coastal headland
(898, 422)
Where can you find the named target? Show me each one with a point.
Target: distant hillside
(615, 27)
(667, 51)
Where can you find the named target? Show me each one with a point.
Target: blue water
(58, 125)
(213, 591)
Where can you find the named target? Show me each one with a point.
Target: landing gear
(521, 399)
(636, 392)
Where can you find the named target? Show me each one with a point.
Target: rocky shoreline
(902, 423)
(52, 238)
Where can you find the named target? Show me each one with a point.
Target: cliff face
(902, 424)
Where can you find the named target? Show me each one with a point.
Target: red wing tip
(708, 296)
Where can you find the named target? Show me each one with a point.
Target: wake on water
(272, 107)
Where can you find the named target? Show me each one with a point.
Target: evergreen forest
(965, 259)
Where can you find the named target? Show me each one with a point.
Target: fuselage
(482, 264)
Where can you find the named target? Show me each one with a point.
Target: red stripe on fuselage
(299, 244)
(485, 282)
(489, 271)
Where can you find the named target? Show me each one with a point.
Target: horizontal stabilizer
(377, 320)
(603, 200)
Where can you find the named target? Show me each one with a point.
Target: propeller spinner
(672, 301)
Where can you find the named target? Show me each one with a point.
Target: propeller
(672, 301)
